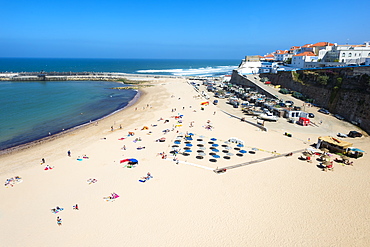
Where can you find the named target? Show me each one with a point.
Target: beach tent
(205, 103)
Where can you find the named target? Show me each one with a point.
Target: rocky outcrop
(343, 91)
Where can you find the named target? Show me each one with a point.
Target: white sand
(280, 202)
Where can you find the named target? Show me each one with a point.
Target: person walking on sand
(69, 153)
(59, 221)
(42, 161)
(75, 207)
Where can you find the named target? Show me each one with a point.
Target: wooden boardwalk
(224, 169)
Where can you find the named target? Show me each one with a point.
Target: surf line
(192, 164)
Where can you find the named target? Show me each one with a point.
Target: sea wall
(343, 91)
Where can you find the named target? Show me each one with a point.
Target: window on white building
(350, 54)
(343, 54)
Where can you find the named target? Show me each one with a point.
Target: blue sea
(32, 110)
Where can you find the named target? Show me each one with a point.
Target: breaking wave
(207, 71)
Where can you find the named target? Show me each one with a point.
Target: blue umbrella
(177, 142)
(216, 156)
(240, 145)
(214, 145)
(133, 160)
(215, 150)
(189, 145)
(190, 134)
(213, 139)
(242, 151)
(188, 151)
(189, 138)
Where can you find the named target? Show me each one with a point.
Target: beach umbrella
(188, 144)
(188, 151)
(189, 138)
(202, 154)
(190, 134)
(213, 139)
(202, 148)
(227, 142)
(133, 160)
(201, 142)
(215, 150)
(216, 156)
(177, 142)
(229, 154)
(201, 136)
(242, 151)
(215, 145)
(240, 145)
(227, 148)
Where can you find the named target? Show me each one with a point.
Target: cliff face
(343, 91)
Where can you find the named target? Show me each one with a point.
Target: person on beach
(75, 207)
(42, 161)
(111, 128)
(59, 221)
(69, 153)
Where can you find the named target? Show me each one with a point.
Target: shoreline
(73, 128)
(55, 136)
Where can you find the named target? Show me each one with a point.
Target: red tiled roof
(306, 53)
(281, 52)
(294, 48)
(307, 45)
(269, 55)
(319, 44)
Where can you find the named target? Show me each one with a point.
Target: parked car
(342, 135)
(339, 117)
(311, 115)
(354, 134)
(322, 110)
(289, 103)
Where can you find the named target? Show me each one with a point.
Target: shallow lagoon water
(32, 110)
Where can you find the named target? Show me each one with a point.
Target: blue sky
(172, 29)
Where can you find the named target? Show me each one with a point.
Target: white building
(249, 68)
(281, 55)
(300, 60)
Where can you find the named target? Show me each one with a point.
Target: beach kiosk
(333, 144)
(304, 121)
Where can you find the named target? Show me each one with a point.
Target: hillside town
(308, 56)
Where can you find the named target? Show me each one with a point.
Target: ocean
(34, 110)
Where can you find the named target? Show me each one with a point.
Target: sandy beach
(282, 201)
